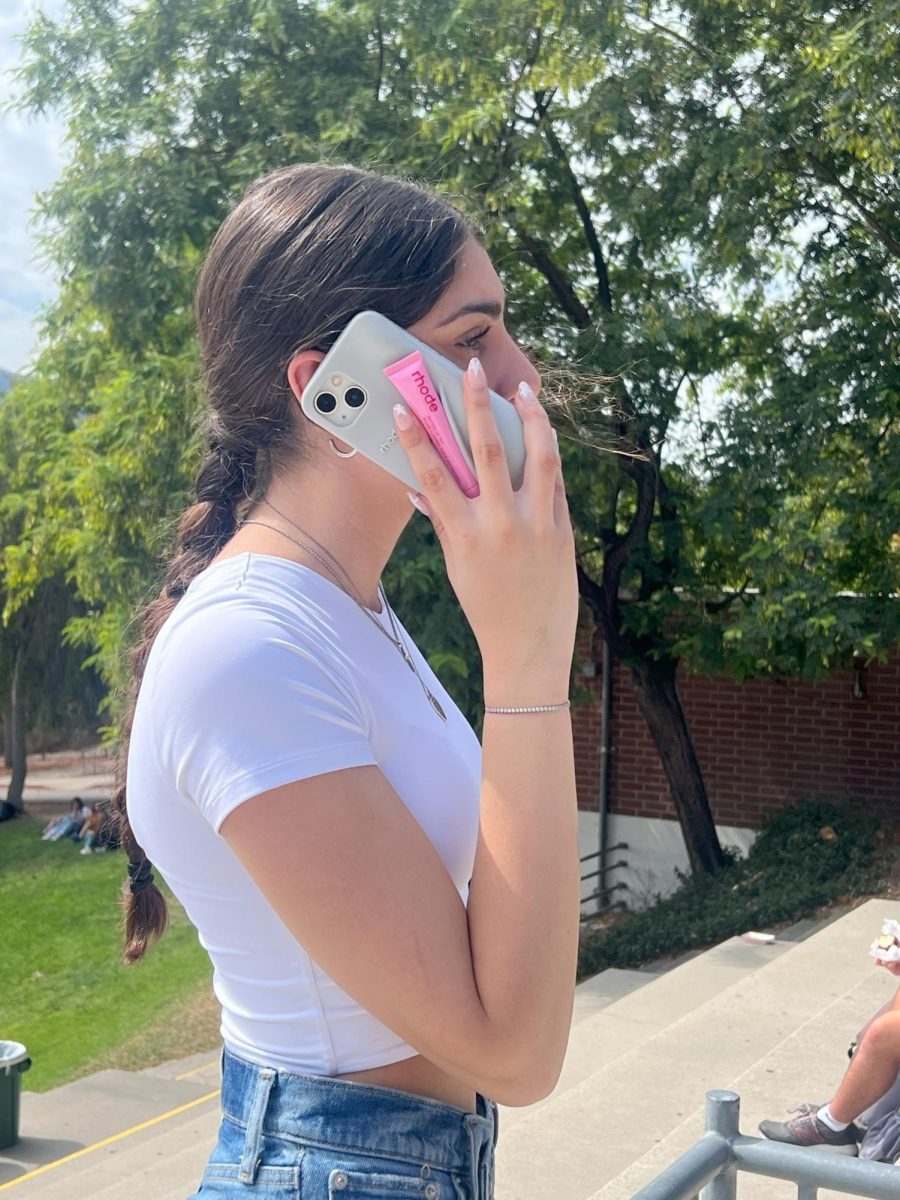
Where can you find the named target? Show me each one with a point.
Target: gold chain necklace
(396, 641)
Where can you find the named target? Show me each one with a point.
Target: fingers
(488, 454)
(441, 491)
(561, 515)
(542, 490)
(543, 481)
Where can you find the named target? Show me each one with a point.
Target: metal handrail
(606, 850)
(603, 872)
(712, 1164)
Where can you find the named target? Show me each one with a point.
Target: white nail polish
(475, 371)
(526, 393)
(417, 503)
(402, 419)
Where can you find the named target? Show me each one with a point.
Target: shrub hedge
(812, 854)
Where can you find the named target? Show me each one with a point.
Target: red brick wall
(761, 745)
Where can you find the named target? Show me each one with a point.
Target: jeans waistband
(319, 1110)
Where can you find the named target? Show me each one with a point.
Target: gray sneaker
(806, 1129)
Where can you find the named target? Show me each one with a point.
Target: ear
(301, 369)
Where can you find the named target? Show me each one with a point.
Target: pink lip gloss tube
(411, 379)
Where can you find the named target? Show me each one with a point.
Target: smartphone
(375, 364)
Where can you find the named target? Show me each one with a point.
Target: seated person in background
(68, 825)
(873, 1072)
(90, 832)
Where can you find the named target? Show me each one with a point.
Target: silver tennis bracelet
(532, 708)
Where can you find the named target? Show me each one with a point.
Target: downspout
(603, 798)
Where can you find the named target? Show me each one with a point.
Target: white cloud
(31, 158)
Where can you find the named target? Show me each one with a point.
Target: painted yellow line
(116, 1137)
(197, 1070)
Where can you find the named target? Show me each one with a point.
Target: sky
(31, 157)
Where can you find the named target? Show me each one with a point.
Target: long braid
(226, 478)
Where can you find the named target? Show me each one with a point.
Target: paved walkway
(54, 779)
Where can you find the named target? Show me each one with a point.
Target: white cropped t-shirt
(267, 673)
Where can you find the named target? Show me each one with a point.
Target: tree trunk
(16, 732)
(7, 743)
(659, 702)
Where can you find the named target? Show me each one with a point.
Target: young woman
(391, 910)
(68, 825)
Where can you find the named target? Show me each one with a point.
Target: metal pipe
(612, 867)
(723, 1117)
(688, 1174)
(856, 1176)
(603, 797)
(609, 850)
(723, 1151)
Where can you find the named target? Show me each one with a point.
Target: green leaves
(791, 871)
(698, 201)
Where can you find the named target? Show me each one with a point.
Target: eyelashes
(474, 342)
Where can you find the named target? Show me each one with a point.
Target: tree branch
(828, 175)
(528, 65)
(644, 476)
(712, 607)
(379, 34)
(706, 56)
(824, 172)
(604, 294)
(556, 278)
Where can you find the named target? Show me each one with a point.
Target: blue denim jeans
(312, 1137)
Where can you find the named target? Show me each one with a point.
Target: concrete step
(615, 1017)
(202, 1069)
(164, 1162)
(607, 1034)
(806, 1065)
(777, 1036)
(604, 989)
(88, 1111)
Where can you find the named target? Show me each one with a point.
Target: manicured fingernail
(555, 438)
(402, 418)
(526, 393)
(418, 503)
(475, 371)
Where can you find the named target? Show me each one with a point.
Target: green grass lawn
(64, 991)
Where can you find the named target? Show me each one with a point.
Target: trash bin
(13, 1061)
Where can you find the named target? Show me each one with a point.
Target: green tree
(684, 197)
(42, 674)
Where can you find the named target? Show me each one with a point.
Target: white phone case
(357, 360)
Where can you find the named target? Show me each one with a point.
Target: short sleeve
(255, 708)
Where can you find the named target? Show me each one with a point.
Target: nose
(516, 367)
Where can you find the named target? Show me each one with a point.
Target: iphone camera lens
(355, 397)
(325, 402)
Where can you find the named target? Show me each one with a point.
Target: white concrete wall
(655, 851)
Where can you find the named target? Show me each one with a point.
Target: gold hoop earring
(340, 453)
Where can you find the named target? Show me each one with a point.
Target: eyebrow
(490, 308)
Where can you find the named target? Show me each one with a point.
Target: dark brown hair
(306, 249)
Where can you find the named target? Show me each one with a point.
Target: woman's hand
(510, 555)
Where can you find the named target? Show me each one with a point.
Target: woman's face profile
(467, 321)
